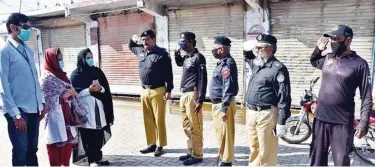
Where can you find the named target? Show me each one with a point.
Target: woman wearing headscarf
(60, 97)
(94, 92)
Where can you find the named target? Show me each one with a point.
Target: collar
(270, 62)
(13, 42)
(154, 50)
(193, 52)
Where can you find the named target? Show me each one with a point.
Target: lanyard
(24, 55)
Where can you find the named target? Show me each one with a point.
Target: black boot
(185, 157)
(158, 152)
(149, 149)
(226, 164)
(192, 161)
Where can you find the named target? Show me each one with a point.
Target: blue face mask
(24, 35)
(183, 45)
(61, 64)
(90, 62)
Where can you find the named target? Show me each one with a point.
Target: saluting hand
(322, 43)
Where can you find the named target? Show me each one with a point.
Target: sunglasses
(25, 26)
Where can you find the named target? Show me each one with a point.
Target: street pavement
(129, 136)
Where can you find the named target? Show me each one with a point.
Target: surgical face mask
(215, 53)
(61, 64)
(24, 35)
(338, 47)
(90, 62)
(183, 45)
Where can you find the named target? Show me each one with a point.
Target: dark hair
(16, 19)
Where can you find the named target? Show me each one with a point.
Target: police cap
(149, 33)
(264, 39)
(222, 40)
(187, 35)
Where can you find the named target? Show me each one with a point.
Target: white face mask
(61, 64)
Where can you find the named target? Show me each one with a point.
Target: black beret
(149, 33)
(266, 39)
(222, 40)
(187, 35)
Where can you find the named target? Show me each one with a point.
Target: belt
(216, 101)
(189, 89)
(258, 108)
(152, 86)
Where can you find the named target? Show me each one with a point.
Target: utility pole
(20, 6)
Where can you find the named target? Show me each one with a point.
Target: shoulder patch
(225, 72)
(280, 78)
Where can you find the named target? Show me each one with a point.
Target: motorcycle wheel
(291, 125)
(366, 151)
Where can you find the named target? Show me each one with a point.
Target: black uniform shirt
(194, 73)
(154, 67)
(224, 84)
(269, 85)
(341, 75)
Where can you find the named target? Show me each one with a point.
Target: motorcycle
(299, 128)
(365, 146)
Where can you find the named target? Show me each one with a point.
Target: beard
(260, 60)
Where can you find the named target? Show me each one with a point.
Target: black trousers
(339, 137)
(92, 141)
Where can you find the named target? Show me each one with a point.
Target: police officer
(343, 71)
(156, 77)
(268, 102)
(193, 90)
(224, 87)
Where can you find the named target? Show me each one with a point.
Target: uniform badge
(280, 78)
(226, 72)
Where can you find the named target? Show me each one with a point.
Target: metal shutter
(299, 24)
(71, 40)
(118, 63)
(206, 23)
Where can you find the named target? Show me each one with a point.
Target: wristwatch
(17, 117)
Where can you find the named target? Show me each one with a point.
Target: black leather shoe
(158, 152)
(185, 157)
(103, 163)
(149, 149)
(226, 164)
(192, 161)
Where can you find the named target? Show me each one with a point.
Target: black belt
(189, 89)
(152, 86)
(258, 108)
(216, 101)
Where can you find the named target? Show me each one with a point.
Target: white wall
(94, 48)
(161, 28)
(255, 21)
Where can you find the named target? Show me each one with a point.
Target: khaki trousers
(154, 111)
(225, 131)
(192, 123)
(263, 144)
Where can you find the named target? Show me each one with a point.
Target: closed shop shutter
(299, 24)
(118, 63)
(206, 23)
(71, 40)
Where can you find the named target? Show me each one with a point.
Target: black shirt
(194, 73)
(269, 85)
(224, 84)
(155, 67)
(341, 75)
